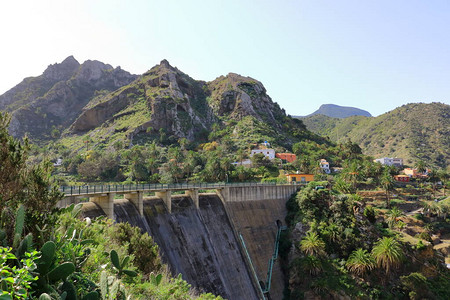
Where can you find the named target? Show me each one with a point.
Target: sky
(374, 55)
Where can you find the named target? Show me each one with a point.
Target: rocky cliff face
(53, 100)
(171, 100)
(163, 103)
(164, 99)
(237, 96)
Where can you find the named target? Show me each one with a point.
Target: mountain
(336, 111)
(415, 131)
(166, 104)
(92, 101)
(49, 103)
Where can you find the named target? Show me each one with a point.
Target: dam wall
(256, 221)
(199, 235)
(198, 243)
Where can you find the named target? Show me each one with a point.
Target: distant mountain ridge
(336, 111)
(415, 131)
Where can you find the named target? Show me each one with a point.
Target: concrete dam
(220, 242)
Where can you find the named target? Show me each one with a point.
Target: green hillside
(414, 132)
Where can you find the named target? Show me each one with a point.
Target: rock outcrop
(163, 103)
(172, 103)
(53, 100)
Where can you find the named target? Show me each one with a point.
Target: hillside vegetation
(414, 132)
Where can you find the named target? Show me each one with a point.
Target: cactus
(45, 296)
(119, 266)
(155, 279)
(61, 272)
(111, 287)
(18, 228)
(69, 288)
(49, 273)
(91, 296)
(25, 245)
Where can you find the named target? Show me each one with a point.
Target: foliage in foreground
(48, 253)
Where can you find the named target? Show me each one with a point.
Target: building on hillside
(269, 153)
(402, 178)
(286, 157)
(244, 162)
(398, 162)
(410, 172)
(337, 169)
(389, 161)
(413, 173)
(299, 178)
(325, 166)
(58, 162)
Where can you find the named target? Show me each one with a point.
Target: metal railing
(99, 189)
(274, 257)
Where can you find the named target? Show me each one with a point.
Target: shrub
(369, 213)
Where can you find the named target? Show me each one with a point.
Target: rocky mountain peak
(63, 70)
(92, 70)
(165, 63)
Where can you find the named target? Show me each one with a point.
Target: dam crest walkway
(104, 195)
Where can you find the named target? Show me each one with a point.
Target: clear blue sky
(374, 55)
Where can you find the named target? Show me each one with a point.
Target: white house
(269, 153)
(398, 162)
(325, 166)
(58, 162)
(389, 161)
(244, 162)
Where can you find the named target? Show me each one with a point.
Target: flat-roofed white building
(269, 153)
(389, 161)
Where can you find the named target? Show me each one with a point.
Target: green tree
(388, 253)
(443, 177)
(421, 166)
(311, 244)
(387, 182)
(393, 216)
(360, 262)
(25, 184)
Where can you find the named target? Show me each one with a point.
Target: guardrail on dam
(104, 195)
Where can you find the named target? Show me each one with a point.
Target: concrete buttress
(166, 196)
(106, 202)
(137, 199)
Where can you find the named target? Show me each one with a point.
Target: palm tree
(360, 261)
(420, 166)
(388, 184)
(388, 253)
(311, 244)
(393, 216)
(311, 265)
(443, 176)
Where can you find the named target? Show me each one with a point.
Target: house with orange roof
(287, 157)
